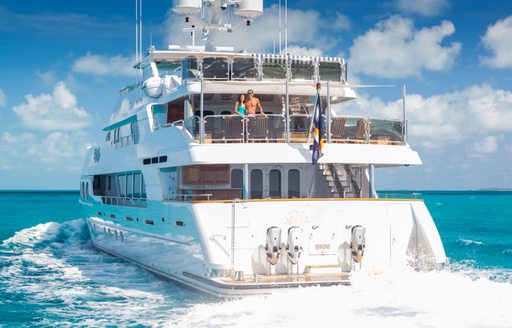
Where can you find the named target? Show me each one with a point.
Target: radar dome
(187, 7)
(249, 8)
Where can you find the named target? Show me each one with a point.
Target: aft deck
(271, 128)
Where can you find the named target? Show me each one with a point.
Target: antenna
(136, 31)
(140, 30)
(286, 25)
(280, 27)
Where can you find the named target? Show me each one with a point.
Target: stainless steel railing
(124, 201)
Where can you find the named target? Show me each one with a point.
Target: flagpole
(314, 112)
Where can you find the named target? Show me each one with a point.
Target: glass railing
(264, 67)
(223, 128)
(299, 127)
(192, 126)
(349, 129)
(265, 128)
(385, 131)
(272, 128)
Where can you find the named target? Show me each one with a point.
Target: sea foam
(52, 272)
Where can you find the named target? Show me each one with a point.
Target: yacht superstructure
(231, 205)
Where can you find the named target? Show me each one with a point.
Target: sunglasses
(250, 93)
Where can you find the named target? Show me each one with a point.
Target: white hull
(199, 253)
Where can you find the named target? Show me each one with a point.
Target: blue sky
(62, 63)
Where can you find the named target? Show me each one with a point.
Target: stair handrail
(353, 180)
(336, 178)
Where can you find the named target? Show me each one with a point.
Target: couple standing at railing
(247, 106)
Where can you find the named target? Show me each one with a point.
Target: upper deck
(198, 91)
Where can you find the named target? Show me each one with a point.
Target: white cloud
(3, 98)
(341, 22)
(27, 151)
(306, 28)
(485, 146)
(423, 7)
(55, 112)
(304, 51)
(443, 119)
(47, 78)
(395, 49)
(498, 40)
(104, 65)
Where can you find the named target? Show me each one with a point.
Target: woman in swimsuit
(240, 106)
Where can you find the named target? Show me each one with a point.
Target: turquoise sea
(50, 275)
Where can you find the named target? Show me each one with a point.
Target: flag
(318, 131)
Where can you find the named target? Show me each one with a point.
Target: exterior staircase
(341, 180)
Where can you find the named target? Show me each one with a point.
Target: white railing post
(287, 127)
(201, 113)
(404, 128)
(329, 119)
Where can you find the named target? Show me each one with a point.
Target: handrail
(176, 196)
(344, 129)
(120, 143)
(353, 181)
(334, 175)
(124, 201)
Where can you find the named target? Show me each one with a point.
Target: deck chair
(361, 129)
(338, 129)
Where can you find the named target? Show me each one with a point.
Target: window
(237, 179)
(129, 185)
(86, 192)
(244, 69)
(293, 184)
(143, 187)
(135, 132)
(215, 68)
(302, 70)
(81, 189)
(189, 68)
(107, 138)
(256, 184)
(109, 182)
(137, 185)
(330, 71)
(121, 180)
(274, 68)
(274, 182)
(206, 174)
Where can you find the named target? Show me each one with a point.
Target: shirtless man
(252, 102)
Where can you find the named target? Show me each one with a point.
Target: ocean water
(50, 275)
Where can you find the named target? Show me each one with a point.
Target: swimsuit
(241, 110)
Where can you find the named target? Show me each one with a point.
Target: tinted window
(129, 185)
(136, 185)
(274, 182)
(293, 184)
(256, 184)
(121, 180)
(237, 179)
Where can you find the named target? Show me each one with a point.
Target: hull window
(274, 182)
(237, 179)
(256, 184)
(293, 184)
